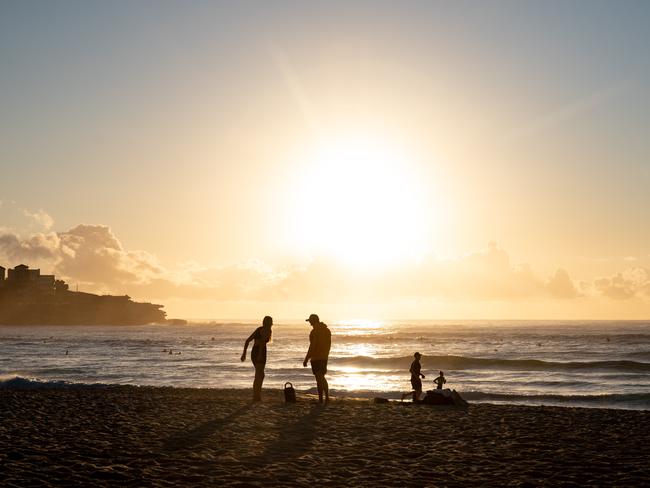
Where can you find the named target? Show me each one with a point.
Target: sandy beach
(205, 437)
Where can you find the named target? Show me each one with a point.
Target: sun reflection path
(360, 381)
(352, 378)
(362, 327)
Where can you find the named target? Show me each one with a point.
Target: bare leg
(416, 395)
(257, 383)
(323, 387)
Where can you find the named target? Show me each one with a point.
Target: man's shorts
(416, 383)
(319, 366)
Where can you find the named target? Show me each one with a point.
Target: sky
(382, 160)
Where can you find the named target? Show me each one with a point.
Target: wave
(639, 354)
(22, 383)
(622, 400)
(462, 362)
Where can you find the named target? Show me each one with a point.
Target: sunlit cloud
(93, 256)
(631, 283)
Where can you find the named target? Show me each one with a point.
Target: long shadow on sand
(293, 439)
(186, 440)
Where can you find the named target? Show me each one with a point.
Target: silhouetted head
(313, 319)
(442, 373)
(417, 355)
(267, 322)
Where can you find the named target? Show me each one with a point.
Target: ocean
(569, 363)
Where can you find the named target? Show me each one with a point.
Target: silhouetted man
(416, 382)
(320, 341)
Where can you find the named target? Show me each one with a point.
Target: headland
(28, 297)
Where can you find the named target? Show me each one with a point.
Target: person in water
(320, 342)
(416, 382)
(440, 380)
(260, 338)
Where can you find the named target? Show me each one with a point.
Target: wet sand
(130, 436)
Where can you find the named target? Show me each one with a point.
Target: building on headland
(29, 280)
(30, 298)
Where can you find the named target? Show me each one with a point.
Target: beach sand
(141, 436)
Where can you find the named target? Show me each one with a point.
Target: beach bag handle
(288, 383)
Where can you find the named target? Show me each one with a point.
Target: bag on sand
(289, 393)
(444, 397)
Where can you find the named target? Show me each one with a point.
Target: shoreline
(166, 436)
(626, 401)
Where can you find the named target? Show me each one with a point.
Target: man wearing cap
(320, 341)
(416, 382)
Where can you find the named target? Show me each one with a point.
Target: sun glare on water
(360, 202)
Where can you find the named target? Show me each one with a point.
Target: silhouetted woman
(261, 336)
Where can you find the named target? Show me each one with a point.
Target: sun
(360, 201)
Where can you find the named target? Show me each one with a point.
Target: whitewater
(587, 363)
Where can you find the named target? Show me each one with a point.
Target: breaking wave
(462, 362)
(9, 382)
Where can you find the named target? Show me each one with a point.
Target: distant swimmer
(170, 352)
(260, 338)
(66, 352)
(440, 380)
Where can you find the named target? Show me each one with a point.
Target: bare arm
(307, 356)
(243, 355)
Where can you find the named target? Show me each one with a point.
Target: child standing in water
(416, 382)
(440, 380)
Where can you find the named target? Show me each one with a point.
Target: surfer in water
(260, 338)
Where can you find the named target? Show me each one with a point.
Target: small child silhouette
(440, 380)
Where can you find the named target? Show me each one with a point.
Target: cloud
(18, 219)
(40, 217)
(93, 254)
(483, 275)
(93, 257)
(36, 247)
(633, 282)
(90, 254)
(250, 280)
(560, 285)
